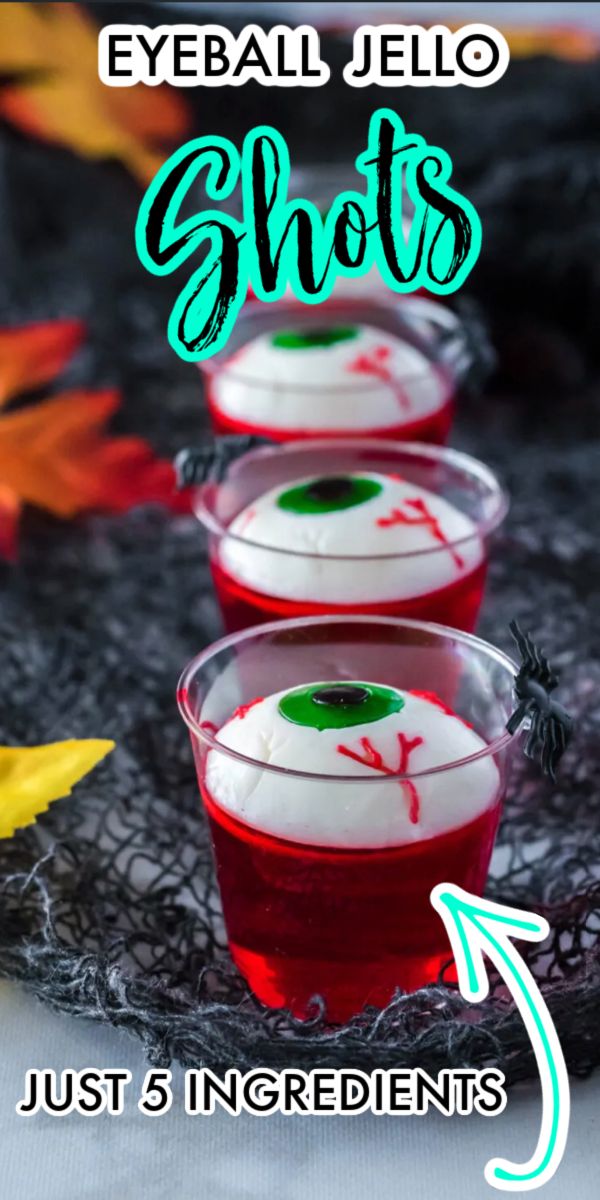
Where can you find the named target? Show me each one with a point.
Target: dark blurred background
(526, 151)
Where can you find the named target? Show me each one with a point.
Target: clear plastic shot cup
(325, 875)
(407, 532)
(380, 366)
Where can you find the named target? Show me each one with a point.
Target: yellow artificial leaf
(32, 777)
(51, 53)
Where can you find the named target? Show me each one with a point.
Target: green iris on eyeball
(328, 494)
(313, 339)
(339, 705)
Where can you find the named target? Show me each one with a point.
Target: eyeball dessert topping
(331, 732)
(328, 378)
(328, 494)
(311, 339)
(339, 705)
(305, 542)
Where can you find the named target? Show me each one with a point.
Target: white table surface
(177, 1157)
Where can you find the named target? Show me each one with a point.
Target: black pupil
(341, 693)
(330, 487)
(313, 335)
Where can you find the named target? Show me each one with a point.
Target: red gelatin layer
(349, 925)
(433, 428)
(456, 605)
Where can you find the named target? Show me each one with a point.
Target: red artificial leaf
(56, 455)
(10, 511)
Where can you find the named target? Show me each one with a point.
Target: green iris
(328, 494)
(311, 339)
(339, 705)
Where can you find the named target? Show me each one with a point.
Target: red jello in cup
(347, 766)
(340, 527)
(368, 367)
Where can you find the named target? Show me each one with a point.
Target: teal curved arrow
(476, 927)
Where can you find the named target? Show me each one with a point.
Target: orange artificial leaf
(552, 41)
(574, 45)
(571, 42)
(52, 49)
(55, 455)
(31, 355)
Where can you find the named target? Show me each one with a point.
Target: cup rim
(494, 747)
(334, 311)
(439, 454)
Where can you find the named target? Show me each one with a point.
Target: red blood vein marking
(406, 749)
(209, 726)
(433, 698)
(370, 757)
(242, 710)
(375, 362)
(422, 516)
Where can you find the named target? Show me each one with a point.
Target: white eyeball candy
(388, 521)
(355, 729)
(332, 379)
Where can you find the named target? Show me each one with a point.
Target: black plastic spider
(209, 462)
(550, 726)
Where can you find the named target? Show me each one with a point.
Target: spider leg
(534, 735)
(530, 650)
(517, 717)
(549, 727)
(535, 655)
(190, 467)
(561, 735)
(537, 663)
(540, 730)
(558, 746)
(567, 724)
(543, 673)
(522, 646)
(549, 749)
(550, 680)
(529, 663)
(515, 629)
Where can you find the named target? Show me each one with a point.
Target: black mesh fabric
(108, 907)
